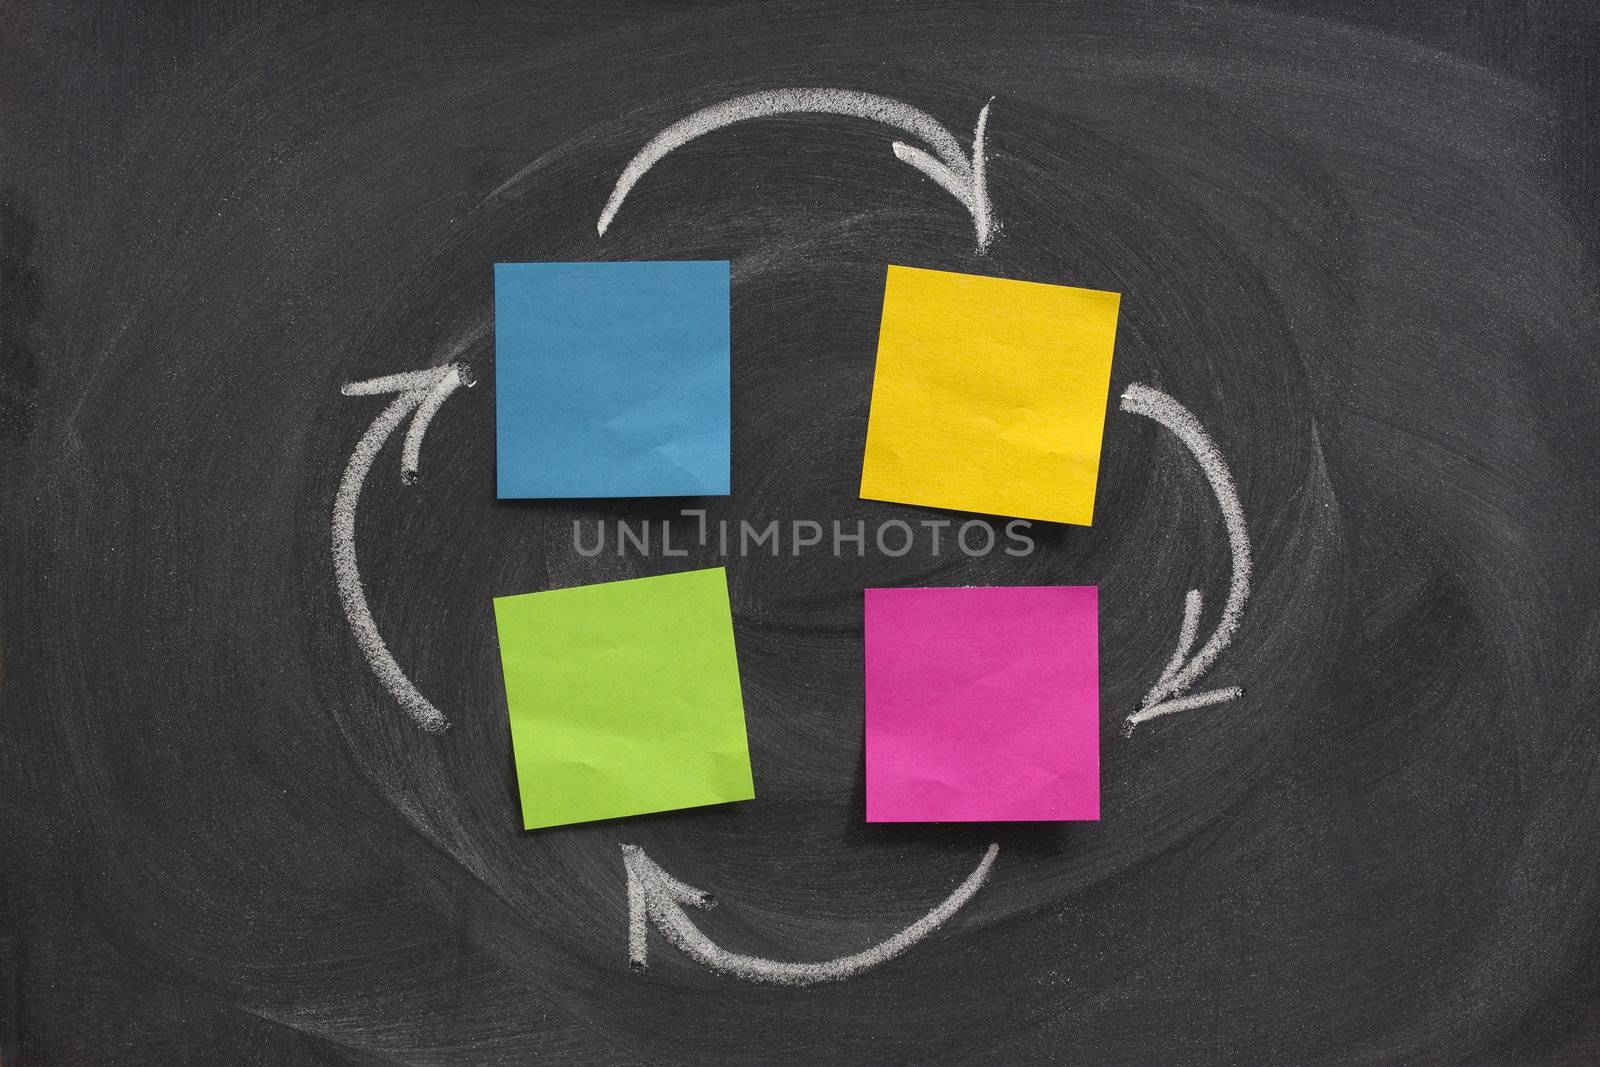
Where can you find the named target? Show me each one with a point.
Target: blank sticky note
(989, 395)
(611, 379)
(983, 705)
(624, 698)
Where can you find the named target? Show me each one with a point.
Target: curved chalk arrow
(422, 392)
(961, 176)
(655, 897)
(1171, 691)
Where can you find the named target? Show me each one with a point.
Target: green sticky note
(624, 698)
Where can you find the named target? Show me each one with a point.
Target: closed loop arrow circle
(655, 898)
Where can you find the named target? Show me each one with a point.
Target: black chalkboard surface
(1356, 241)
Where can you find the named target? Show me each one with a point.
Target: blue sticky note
(611, 379)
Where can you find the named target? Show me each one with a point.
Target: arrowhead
(652, 892)
(1177, 703)
(416, 381)
(421, 394)
(965, 179)
(1164, 697)
(650, 872)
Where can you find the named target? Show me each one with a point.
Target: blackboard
(1358, 244)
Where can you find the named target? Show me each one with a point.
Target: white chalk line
(395, 383)
(948, 166)
(1187, 633)
(655, 897)
(1188, 703)
(1182, 670)
(411, 455)
(982, 209)
(420, 392)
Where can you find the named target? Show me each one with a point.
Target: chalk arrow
(960, 175)
(1171, 691)
(656, 898)
(421, 392)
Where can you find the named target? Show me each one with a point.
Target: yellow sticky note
(989, 395)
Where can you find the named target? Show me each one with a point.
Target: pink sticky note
(983, 705)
